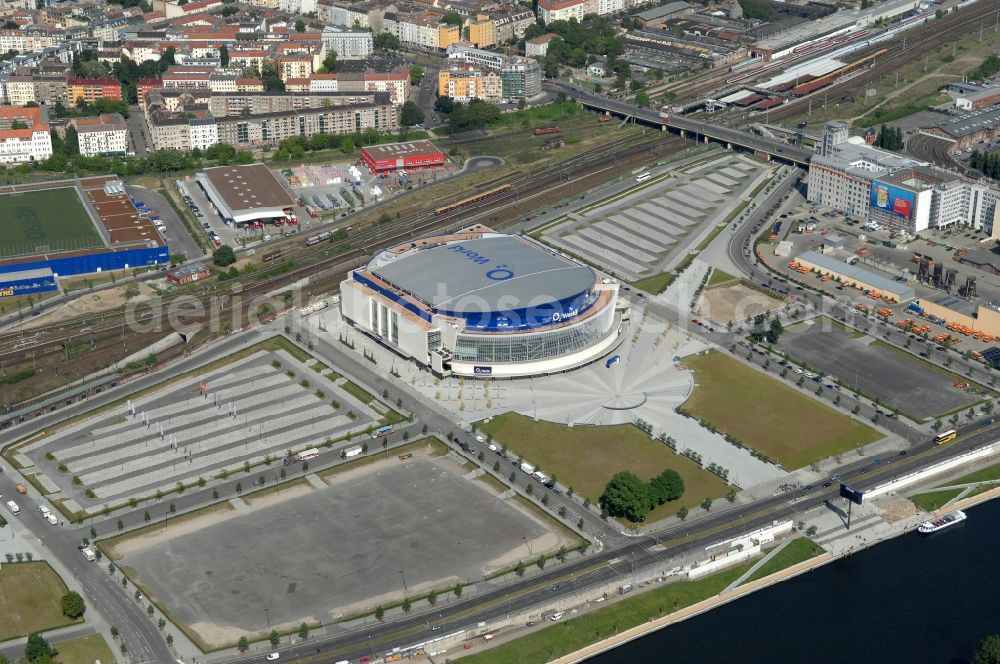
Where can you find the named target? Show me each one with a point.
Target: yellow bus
(945, 436)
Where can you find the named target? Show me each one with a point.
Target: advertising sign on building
(892, 199)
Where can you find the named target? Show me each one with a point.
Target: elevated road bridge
(733, 139)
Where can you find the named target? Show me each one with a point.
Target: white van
(556, 616)
(44, 510)
(89, 554)
(12, 506)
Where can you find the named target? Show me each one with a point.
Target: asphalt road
(137, 131)
(116, 606)
(633, 552)
(142, 638)
(178, 239)
(741, 254)
(780, 150)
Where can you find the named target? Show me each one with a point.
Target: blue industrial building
(68, 266)
(24, 282)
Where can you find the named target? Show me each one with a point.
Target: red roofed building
(33, 143)
(89, 90)
(407, 156)
(146, 85)
(249, 85)
(563, 10)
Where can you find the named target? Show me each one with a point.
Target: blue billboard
(892, 199)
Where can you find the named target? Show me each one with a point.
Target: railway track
(322, 264)
(902, 49)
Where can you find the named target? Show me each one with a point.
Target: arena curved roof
(496, 282)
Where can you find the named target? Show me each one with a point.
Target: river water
(912, 600)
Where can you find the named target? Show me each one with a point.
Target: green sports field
(50, 220)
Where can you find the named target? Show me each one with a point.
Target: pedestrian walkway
(760, 563)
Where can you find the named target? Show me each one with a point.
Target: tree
(37, 648)
(379, 613)
(666, 486)
(411, 114)
(303, 631)
(274, 637)
(72, 605)
(416, 75)
(988, 651)
(626, 495)
(444, 105)
(386, 41)
(224, 256)
(330, 62)
(682, 513)
(706, 504)
(432, 597)
(642, 99)
(18, 124)
(224, 55)
(300, 26)
(243, 644)
(776, 330)
(407, 605)
(457, 590)
(451, 17)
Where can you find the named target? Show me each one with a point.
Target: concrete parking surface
(904, 383)
(311, 554)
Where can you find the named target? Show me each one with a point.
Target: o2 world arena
(480, 303)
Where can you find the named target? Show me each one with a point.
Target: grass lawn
(30, 595)
(769, 416)
(54, 218)
(358, 392)
(656, 284)
(719, 277)
(934, 500)
(981, 475)
(797, 551)
(146, 181)
(570, 635)
(84, 650)
(586, 458)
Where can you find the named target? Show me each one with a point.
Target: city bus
(945, 436)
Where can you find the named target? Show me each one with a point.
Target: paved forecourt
(251, 409)
(902, 382)
(320, 549)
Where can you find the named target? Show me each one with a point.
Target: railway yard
(67, 351)
(761, 344)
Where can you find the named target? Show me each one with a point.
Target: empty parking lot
(317, 551)
(904, 383)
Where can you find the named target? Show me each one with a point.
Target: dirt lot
(729, 304)
(91, 303)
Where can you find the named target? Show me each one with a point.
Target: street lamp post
(267, 615)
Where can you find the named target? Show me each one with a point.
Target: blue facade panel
(109, 260)
(393, 296)
(26, 286)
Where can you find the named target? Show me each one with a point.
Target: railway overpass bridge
(733, 139)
